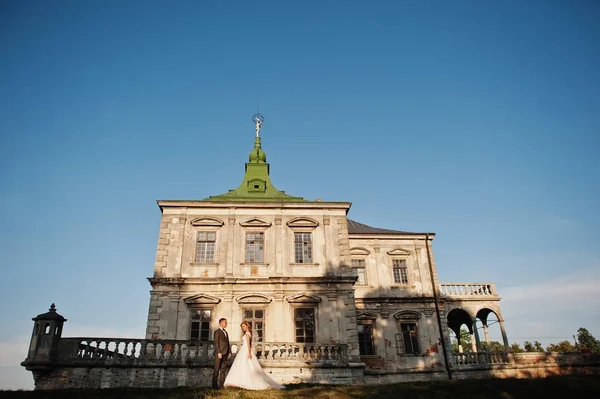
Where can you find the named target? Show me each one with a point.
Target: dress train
(247, 373)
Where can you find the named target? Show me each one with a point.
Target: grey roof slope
(359, 228)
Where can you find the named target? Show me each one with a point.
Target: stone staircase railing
(137, 352)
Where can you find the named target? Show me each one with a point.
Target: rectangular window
(256, 318)
(303, 247)
(255, 247)
(304, 319)
(400, 271)
(200, 330)
(205, 247)
(365, 337)
(409, 340)
(359, 269)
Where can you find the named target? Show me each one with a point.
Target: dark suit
(221, 341)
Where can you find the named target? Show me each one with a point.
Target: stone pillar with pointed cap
(43, 348)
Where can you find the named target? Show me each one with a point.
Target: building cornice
(183, 204)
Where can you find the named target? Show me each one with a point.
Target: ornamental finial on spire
(258, 120)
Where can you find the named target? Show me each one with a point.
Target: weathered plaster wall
(170, 377)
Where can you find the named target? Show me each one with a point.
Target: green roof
(256, 185)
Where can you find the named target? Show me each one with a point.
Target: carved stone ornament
(202, 299)
(304, 298)
(303, 222)
(254, 222)
(209, 222)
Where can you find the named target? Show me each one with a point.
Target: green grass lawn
(576, 387)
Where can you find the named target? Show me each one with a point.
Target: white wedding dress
(246, 373)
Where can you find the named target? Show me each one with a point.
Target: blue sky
(477, 120)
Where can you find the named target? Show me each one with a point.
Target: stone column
(331, 266)
(476, 333)
(504, 336)
(231, 249)
(343, 266)
(279, 250)
(154, 311)
(350, 326)
(173, 315)
(279, 319)
(332, 308)
(176, 239)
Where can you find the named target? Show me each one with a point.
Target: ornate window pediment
(253, 298)
(212, 222)
(407, 315)
(365, 316)
(302, 222)
(254, 222)
(304, 298)
(202, 299)
(398, 252)
(359, 251)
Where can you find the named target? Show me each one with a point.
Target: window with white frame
(256, 318)
(205, 246)
(359, 269)
(255, 247)
(200, 325)
(400, 271)
(303, 247)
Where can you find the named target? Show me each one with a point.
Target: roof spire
(257, 155)
(258, 120)
(256, 185)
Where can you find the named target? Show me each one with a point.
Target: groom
(222, 353)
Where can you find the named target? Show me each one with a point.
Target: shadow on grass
(579, 387)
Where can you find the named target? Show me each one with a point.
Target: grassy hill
(579, 387)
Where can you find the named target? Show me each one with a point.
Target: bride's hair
(245, 323)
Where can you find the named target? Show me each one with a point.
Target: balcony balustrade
(468, 289)
(137, 352)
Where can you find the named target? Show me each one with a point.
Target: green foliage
(494, 346)
(562, 346)
(465, 340)
(535, 347)
(587, 342)
(516, 348)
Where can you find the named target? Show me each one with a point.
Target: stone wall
(171, 377)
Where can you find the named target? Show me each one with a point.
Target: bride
(245, 372)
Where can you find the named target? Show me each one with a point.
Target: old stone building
(330, 300)
(304, 273)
